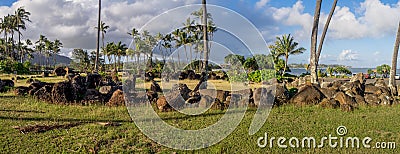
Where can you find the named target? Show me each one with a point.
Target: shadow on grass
(62, 119)
(22, 111)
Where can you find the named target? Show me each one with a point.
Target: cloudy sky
(362, 32)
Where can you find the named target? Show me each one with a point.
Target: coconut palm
(392, 81)
(39, 46)
(205, 35)
(56, 49)
(328, 21)
(103, 30)
(21, 15)
(96, 67)
(313, 50)
(285, 46)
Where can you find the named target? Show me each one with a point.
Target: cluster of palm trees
(10, 25)
(48, 48)
(284, 47)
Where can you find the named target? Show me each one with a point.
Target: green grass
(379, 123)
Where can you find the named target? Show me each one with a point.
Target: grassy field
(379, 123)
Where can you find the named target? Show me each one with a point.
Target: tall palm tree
(21, 15)
(96, 67)
(313, 50)
(328, 21)
(40, 45)
(56, 49)
(205, 36)
(285, 46)
(48, 51)
(120, 50)
(178, 43)
(103, 30)
(392, 81)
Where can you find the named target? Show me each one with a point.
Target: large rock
(386, 100)
(329, 93)
(21, 91)
(93, 81)
(78, 87)
(360, 100)
(308, 95)
(163, 105)
(263, 97)
(359, 77)
(60, 71)
(117, 99)
(326, 85)
(343, 99)
(337, 84)
(281, 95)
(8, 83)
(352, 88)
(35, 86)
(149, 76)
(217, 94)
(44, 93)
(106, 90)
(92, 96)
(371, 89)
(62, 93)
(380, 83)
(329, 103)
(191, 75)
(372, 99)
(155, 87)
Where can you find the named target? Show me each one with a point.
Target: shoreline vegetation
(82, 107)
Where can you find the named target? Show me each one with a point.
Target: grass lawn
(379, 123)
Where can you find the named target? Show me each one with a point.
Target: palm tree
(103, 30)
(285, 46)
(314, 35)
(328, 21)
(56, 49)
(40, 45)
(392, 81)
(120, 50)
(48, 51)
(205, 36)
(21, 15)
(96, 67)
(178, 43)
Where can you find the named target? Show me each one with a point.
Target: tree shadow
(22, 111)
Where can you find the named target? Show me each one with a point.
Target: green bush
(7, 66)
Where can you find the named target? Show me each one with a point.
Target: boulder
(358, 77)
(92, 96)
(78, 87)
(386, 100)
(8, 83)
(60, 71)
(353, 88)
(343, 99)
(182, 76)
(380, 83)
(371, 89)
(152, 96)
(44, 93)
(263, 96)
(308, 95)
(106, 90)
(329, 103)
(326, 85)
(329, 93)
(337, 84)
(93, 81)
(191, 75)
(117, 99)
(360, 100)
(163, 105)
(21, 91)
(206, 101)
(62, 93)
(372, 99)
(149, 76)
(217, 94)
(33, 87)
(281, 94)
(155, 87)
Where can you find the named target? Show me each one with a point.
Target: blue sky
(362, 32)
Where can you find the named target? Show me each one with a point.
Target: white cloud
(348, 55)
(261, 3)
(372, 19)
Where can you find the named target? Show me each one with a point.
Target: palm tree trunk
(328, 21)
(96, 63)
(392, 81)
(286, 63)
(314, 35)
(205, 38)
